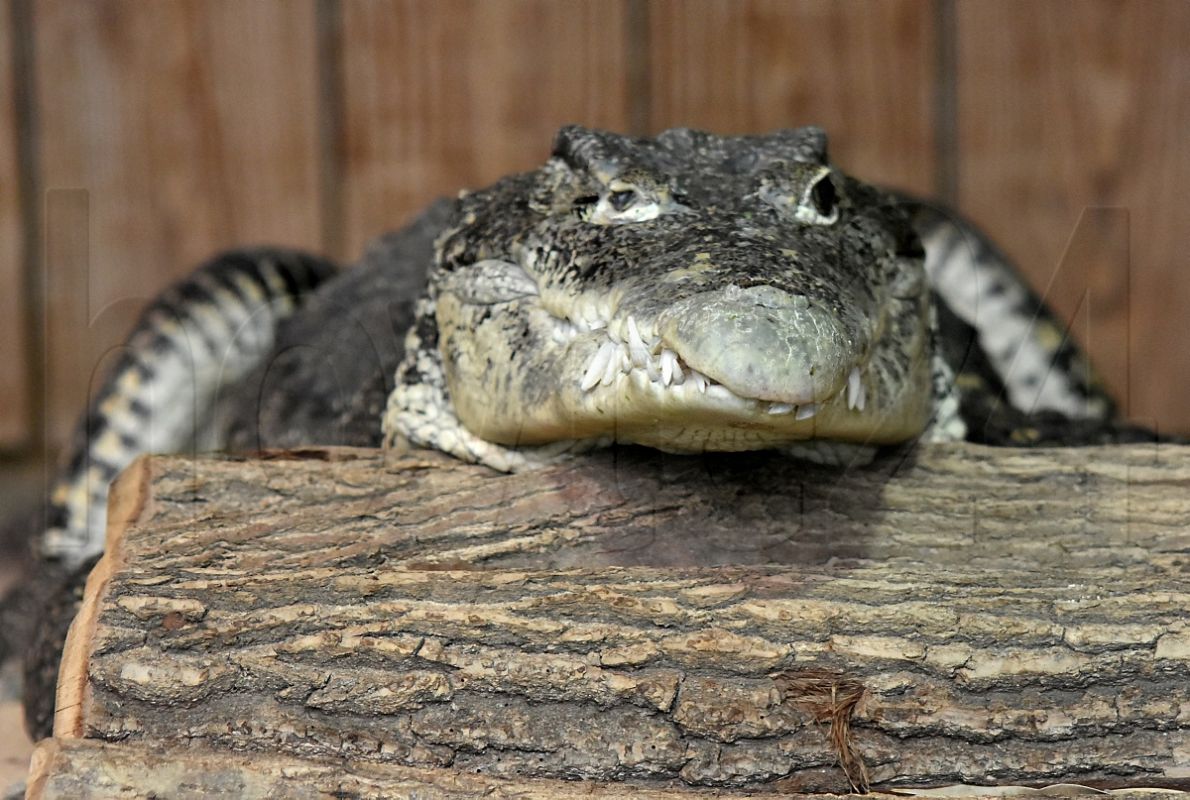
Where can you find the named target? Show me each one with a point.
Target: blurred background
(137, 137)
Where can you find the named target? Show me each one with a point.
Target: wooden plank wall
(1073, 150)
(161, 132)
(15, 377)
(165, 131)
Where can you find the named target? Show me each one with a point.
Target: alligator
(689, 292)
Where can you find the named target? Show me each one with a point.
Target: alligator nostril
(824, 197)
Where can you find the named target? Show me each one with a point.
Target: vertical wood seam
(29, 190)
(328, 21)
(946, 123)
(638, 43)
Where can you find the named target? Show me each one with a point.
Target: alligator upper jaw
(662, 402)
(647, 393)
(660, 366)
(739, 368)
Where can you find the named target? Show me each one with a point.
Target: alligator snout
(764, 343)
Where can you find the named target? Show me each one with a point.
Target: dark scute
(581, 147)
(330, 373)
(808, 143)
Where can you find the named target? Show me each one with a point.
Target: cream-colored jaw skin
(636, 386)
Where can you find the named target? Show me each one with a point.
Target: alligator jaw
(658, 399)
(773, 299)
(633, 380)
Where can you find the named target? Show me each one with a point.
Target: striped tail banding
(200, 335)
(1036, 361)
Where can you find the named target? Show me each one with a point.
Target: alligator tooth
(598, 366)
(855, 390)
(647, 337)
(781, 408)
(699, 380)
(678, 375)
(615, 330)
(636, 345)
(564, 331)
(634, 334)
(596, 320)
(806, 411)
(670, 371)
(613, 366)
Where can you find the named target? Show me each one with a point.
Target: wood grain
(565, 623)
(189, 126)
(955, 505)
(73, 768)
(15, 411)
(441, 95)
(864, 71)
(70, 768)
(1065, 109)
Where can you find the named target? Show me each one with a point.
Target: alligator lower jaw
(663, 404)
(697, 415)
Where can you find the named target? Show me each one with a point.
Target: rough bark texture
(80, 769)
(960, 615)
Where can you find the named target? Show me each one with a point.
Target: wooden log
(960, 614)
(81, 768)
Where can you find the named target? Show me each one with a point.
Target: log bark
(958, 614)
(79, 769)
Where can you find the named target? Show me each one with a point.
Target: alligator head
(689, 292)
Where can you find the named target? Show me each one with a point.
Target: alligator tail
(200, 335)
(1034, 360)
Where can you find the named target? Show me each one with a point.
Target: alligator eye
(625, 206)
(622, 200)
